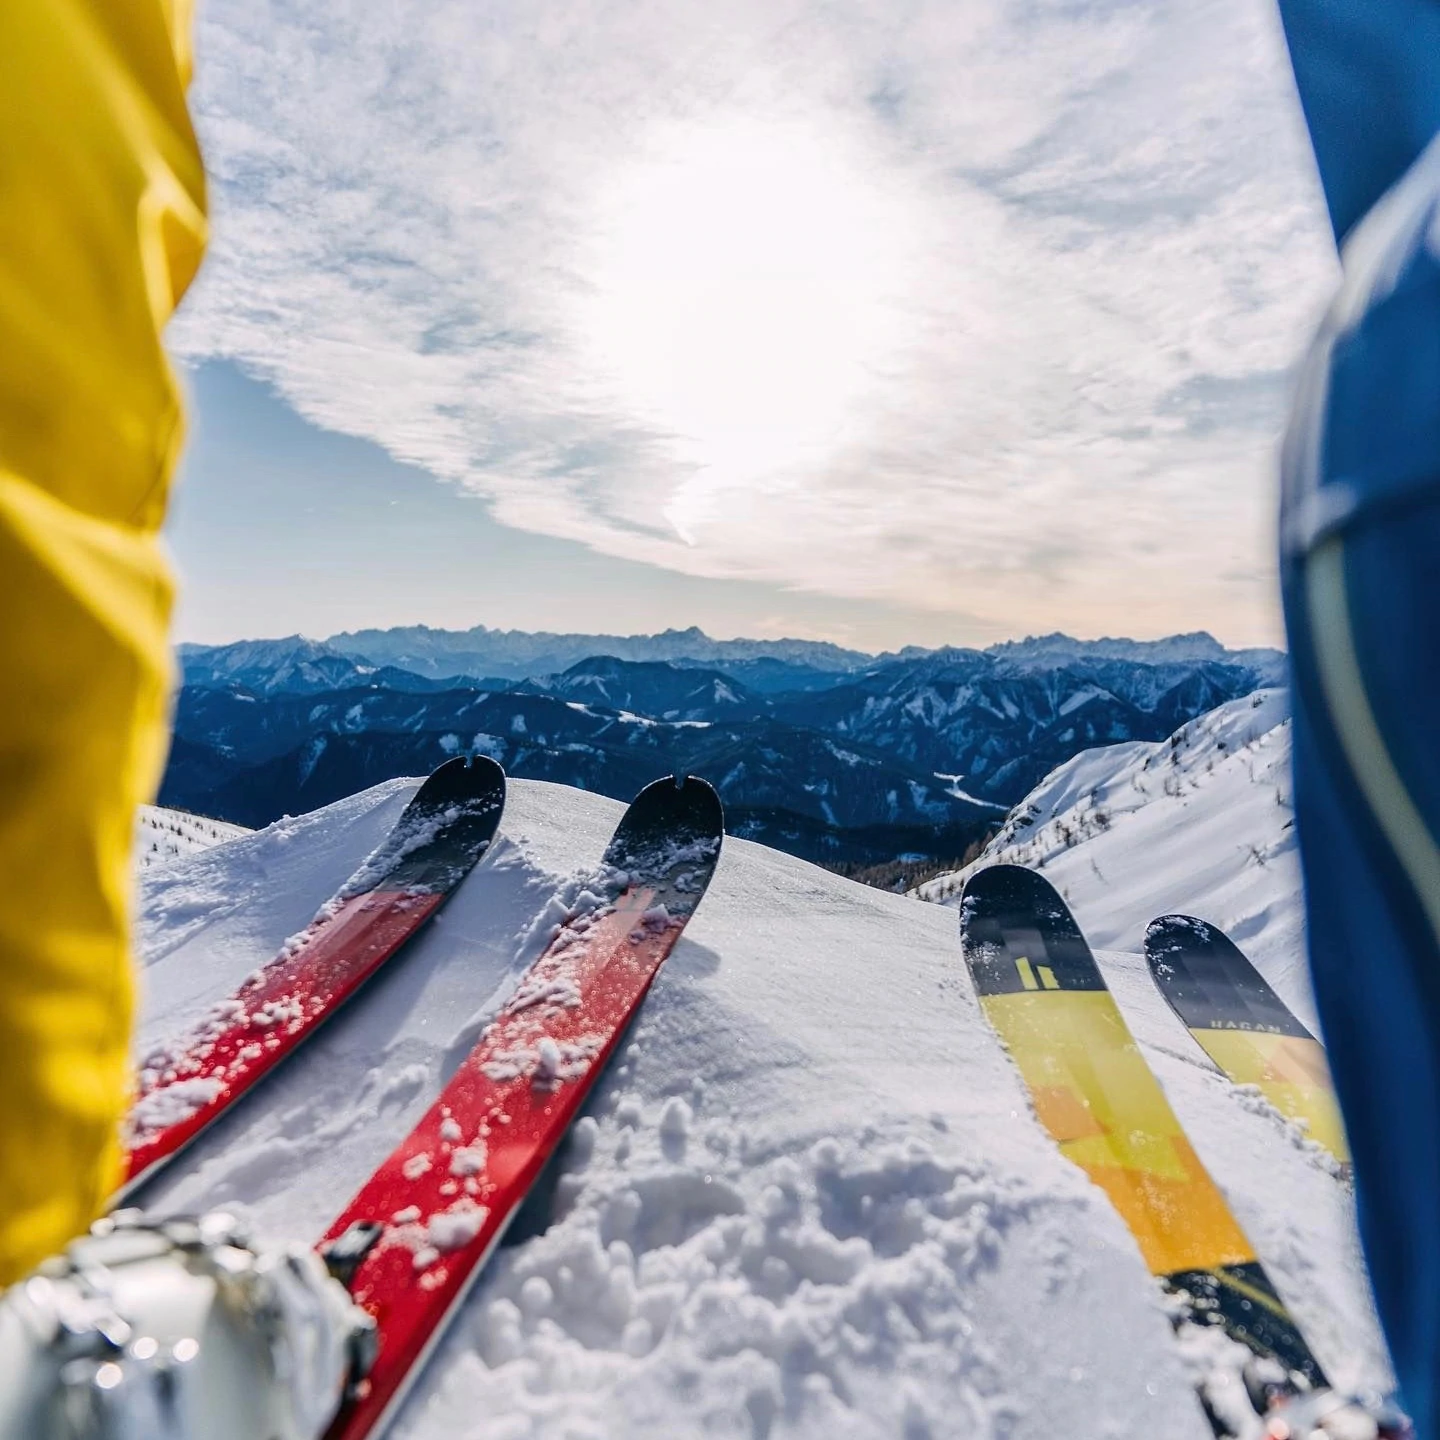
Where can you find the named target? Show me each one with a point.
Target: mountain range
(518, 654)
(828, 753)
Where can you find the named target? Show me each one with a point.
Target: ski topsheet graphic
(1243, 1025)
(414, 1239)
(1043, 993)
(441, 834)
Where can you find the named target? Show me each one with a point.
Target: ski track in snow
(808, 1199)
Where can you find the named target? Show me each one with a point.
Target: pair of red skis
(417, 1235)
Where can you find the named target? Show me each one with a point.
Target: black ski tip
(445, 829)
(1169, 928)
(460, 781)
(674, 811)
(1010, 894)
(1209, 981)
(1169, 936)
(1017, 933)
(684, 802)
(1243, 1302)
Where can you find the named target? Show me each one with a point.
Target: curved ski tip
(1011, 895)
(1007, 884)
(466, 777)
(680, 800)
(1169, 932)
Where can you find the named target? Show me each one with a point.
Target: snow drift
(809, 1198)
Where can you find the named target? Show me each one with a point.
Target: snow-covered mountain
(164, 835)
(809, 1199)
(290, 666)
(655, 688)
(294, 663)
(252, 758)
(833, 767)
(519, 654)
(1046, 652)
(1001, 725)
(1199, 822)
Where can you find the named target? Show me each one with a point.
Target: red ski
(415, 1238)
(441, 834)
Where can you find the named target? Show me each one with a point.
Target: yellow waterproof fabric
(102, 226)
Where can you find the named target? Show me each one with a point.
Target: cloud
(982, 308)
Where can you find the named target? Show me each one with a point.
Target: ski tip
(680, 800)
(1004, 888)
(1004, 897)
(1168, 933)
(676, 809)
(1017, 933)
(1210, 983)
(460, 781)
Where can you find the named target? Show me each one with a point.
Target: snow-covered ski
(440, 836)
(1243, 1025)
(417, 1235)
(1044, 995)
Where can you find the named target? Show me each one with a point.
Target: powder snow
(809, 1197)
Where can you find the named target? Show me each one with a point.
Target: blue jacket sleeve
(1369, 78)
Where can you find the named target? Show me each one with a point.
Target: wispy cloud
(980, 307)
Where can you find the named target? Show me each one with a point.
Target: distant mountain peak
(1194, 647)
(519, 654)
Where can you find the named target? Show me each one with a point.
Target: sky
(280, 526)
(917, 323)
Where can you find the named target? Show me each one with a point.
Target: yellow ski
(1243, 1025)
(1042, 991)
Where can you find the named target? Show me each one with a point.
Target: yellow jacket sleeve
(102, 226)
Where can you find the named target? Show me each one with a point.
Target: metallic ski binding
(175, 1329)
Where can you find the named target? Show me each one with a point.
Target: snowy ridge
(163, 835)
(1201, 823)
(808, 1200)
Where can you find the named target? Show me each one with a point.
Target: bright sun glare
(748, 284)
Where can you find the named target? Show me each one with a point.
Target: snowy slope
(1200, 823)
(810, 1199)
(163, 835)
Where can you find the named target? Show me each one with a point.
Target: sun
(744, 294)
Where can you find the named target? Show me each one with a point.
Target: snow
(457, 1226)
(468, 1160)
(952, 787)
(1199, 823)
(173, 1103)
(808, 1199)
(163, 835)
(1082, 696)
